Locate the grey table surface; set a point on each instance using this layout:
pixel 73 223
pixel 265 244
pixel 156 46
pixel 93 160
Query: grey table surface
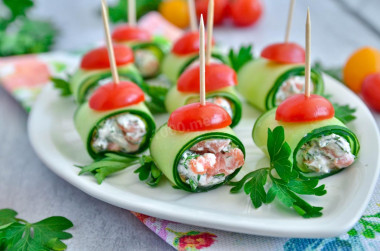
pixel 26 185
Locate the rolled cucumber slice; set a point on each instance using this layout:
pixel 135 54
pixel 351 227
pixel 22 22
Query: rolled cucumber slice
pixel 173 65
pixel 83 80
pixel 86 121
pixel 260 80
pixel 176 99
pixel 168 146
pixel 158 49
pixel 297 134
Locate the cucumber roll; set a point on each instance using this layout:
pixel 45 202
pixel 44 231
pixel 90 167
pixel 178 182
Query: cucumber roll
pixel 220 90
pixel 197 150
pixel 148 51
pixel 115 120
pixel 95 71
pixel 185 53
pixel 266 83
pixel 321 144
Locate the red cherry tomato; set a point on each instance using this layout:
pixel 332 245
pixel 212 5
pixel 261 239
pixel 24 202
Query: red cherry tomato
pixel 187 44
pixel 113 96
pixel 220 7
pixel 288 53
pixel 218 76
pixel 98 58
pixel 371 91
pixel 300 108
pixel 126 33
pixel 196 117
pixel 245 12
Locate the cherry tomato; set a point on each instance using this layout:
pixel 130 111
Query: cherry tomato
pixel 288 53
pixel 300 108
pixel 98 58
pixel 371 91
pixel 176 12
pixel 196 117
pixel 220 7
pixel 126 33
pixel 187 44
pixel 245 12
pixel 113 96
pixel 218 76
pixel 362 62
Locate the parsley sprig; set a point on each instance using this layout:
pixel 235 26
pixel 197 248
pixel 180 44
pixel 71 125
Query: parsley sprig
pixel 156 97
pixel 240 57
pixel 45 235
pixel 114 163
pixel 62 85
pixel 344 113
pixel 286 182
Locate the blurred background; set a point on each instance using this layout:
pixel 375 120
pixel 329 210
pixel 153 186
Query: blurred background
pixel 338 26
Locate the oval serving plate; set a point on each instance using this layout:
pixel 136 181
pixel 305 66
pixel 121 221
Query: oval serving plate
pixel 56 142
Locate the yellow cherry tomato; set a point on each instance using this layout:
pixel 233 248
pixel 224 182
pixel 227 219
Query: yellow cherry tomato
pixel 176 12
pixel 361 63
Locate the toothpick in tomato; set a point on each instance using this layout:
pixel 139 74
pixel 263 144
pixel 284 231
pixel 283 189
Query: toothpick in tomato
pixel 148 51
pixel 185 53
pixel 220 90
pixel 95 70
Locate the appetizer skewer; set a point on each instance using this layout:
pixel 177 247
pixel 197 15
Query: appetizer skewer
pixel 148 51
pixel 95 70
pixel 277 75
pixel 201 150
pixel 221 81
pixel 321 144
pixel 185 53
pixel 115 119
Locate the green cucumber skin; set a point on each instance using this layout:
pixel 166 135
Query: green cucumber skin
pixel 83 80
pixel 86 120
pixel 174 65
pixel 175 99
pixel 259 81
pixel 296 134
pixel 167 147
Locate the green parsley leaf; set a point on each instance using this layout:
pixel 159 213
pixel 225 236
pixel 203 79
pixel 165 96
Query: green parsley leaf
pixel 156 97
pixel 241 57
pixel 114 163
pixel 27 36
pixel 255 187
pixel 62 85
pixel 287 186
pixel 344 113
pixel 19 234
pixel 148 171
pixel 111 164
pixel 280 152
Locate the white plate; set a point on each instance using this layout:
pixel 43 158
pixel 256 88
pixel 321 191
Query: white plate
pixel 52 134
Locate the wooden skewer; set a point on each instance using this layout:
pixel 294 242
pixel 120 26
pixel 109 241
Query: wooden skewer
pixel 202 65
pixel 111 54
pixel 308 51
pixel 210 27
pixel 193 15
pixel 289 23
pixel 132 13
